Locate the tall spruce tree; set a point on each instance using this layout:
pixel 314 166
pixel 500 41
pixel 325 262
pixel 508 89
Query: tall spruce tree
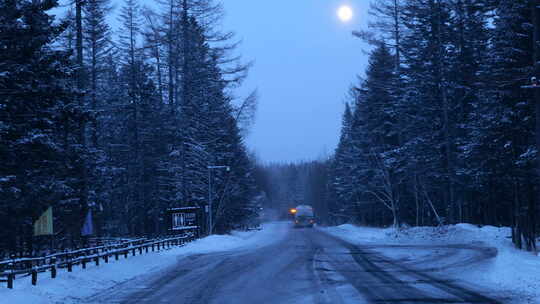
pixel 503 146
pixel 341 184
pixel 38 115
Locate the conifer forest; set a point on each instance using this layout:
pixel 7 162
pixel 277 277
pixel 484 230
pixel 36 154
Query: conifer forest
pixel 124 125
pixel 128 122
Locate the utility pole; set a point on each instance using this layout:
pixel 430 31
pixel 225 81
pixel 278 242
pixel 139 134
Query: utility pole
pixel 210 218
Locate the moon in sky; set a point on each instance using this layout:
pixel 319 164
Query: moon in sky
pixel 345 13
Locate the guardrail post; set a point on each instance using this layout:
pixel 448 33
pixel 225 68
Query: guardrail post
pixel 69 263
pixel 106 257
pixel 140 250
pixel 96 259
pixel 133 251
pixel 158 244
pixel 34 276
pixel 146 248
pixel 53 268
pixel 10 277
pixel 152 247
pixel 83 262
pixel 116 255
pixel 126 253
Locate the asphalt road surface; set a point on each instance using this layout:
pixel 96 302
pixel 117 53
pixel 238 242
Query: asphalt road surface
pixel 309 266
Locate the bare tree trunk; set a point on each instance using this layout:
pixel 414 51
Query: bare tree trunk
pixel 156 41
pixel 387 195
pixel 171 58
pixel 416 200
pixel 83 191
pixel 94 98
pixel 428 200
pixel 397 35
pixel 448 136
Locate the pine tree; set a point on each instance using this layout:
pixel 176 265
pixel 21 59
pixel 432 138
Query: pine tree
pixel 38 113
pixel 502 143
pixel 341 184
pixel 432 148
pixel 133 80
pixel 98 45
pixel 381 129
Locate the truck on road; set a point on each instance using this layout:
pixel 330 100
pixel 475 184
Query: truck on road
pixel 303 216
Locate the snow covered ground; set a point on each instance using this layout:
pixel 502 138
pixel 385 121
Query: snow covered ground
pixel 483 256
pixel 80 284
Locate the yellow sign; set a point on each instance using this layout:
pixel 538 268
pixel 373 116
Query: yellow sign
pixel 44 225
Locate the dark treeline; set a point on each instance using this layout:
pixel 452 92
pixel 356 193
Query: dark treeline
pixel 123 125
pixel 440 130
pixel 288 185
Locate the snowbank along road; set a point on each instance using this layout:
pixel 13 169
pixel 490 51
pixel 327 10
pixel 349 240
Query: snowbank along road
pixel 310 266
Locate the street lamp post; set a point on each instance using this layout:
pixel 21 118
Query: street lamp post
pixel 210 219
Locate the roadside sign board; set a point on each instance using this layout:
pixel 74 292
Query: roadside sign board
pixel 184 218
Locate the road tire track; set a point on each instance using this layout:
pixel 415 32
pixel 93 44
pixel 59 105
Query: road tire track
pixel 382 268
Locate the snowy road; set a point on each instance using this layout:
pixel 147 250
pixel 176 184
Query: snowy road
pixel 308 266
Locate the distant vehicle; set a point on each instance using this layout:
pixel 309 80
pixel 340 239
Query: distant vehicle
pixel 303 216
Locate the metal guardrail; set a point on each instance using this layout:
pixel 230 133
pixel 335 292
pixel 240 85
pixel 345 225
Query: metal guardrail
pixel 32 266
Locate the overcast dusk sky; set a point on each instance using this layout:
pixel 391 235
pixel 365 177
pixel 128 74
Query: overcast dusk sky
pixel 305 60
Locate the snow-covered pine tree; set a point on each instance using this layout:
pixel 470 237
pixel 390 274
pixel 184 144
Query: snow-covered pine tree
pixel 39 115
pixel 341 184
pixel 502 144
pixel 97 46
pixel 379 107
pixel 141 116
pixel 431 142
